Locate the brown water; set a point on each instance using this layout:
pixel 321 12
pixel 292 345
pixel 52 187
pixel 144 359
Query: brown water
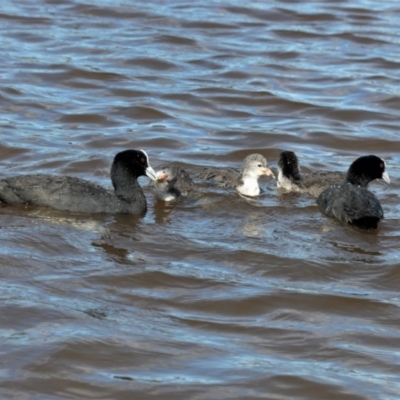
pixel 217 297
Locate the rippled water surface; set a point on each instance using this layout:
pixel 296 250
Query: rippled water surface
pixel 216 297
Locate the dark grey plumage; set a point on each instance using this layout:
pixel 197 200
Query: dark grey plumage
pixel 290 179
pixel 352 204
pixel 79 195
pixel 351 201
pixel 172 183
pixel 244 181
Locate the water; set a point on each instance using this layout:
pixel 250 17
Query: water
pixel 217 297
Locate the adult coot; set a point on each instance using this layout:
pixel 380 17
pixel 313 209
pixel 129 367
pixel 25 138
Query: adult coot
pixel 351 201
pixel 172 183
pixel 290 179
pixel 78 195
pixel 244 181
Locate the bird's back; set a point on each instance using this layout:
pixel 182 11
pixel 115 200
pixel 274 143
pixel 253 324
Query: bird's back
pixel 350 203
pixel 316 182
pixel 62 193
pixel 184 183
pixel 224 176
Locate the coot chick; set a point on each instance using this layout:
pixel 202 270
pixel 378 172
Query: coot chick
pixel 79 195
pixel 351 201
pixel 244 181
pixel 290 179
pixel 172 183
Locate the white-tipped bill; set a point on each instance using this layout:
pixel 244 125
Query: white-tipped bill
pixel 150 173
pixel 385 177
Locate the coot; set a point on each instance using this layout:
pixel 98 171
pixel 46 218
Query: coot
pixel 290 179
pixel 172 183
pixel 79 195
pixel 351 201
pixel 244 181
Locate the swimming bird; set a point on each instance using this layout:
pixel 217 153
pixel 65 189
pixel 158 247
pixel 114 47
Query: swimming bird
pixel 244 181
pixel 351 201
pixel 290 179
pixel 79 195
pixel 172 183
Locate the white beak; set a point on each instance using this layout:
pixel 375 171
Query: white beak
pixel 385 177
pixel 150 173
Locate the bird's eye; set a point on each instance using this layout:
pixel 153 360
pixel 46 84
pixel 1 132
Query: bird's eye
pixel 142 160
pixel 259 165
pixel 381 165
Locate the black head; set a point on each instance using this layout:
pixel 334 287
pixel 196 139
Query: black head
pixel 289 165
pixel 130 164
pixel 365 169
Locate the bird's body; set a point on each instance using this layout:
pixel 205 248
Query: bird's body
pixel 352 204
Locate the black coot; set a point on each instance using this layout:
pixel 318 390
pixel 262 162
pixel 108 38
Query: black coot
pixel 79 195
pixel 351 201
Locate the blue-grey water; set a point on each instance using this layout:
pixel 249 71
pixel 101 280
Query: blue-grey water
pixel 216 297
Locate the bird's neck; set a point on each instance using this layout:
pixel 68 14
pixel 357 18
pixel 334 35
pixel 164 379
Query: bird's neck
pixel 127 189
pixel 283 181
pixel 249 187
pixel 360 180
pixel 292 175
